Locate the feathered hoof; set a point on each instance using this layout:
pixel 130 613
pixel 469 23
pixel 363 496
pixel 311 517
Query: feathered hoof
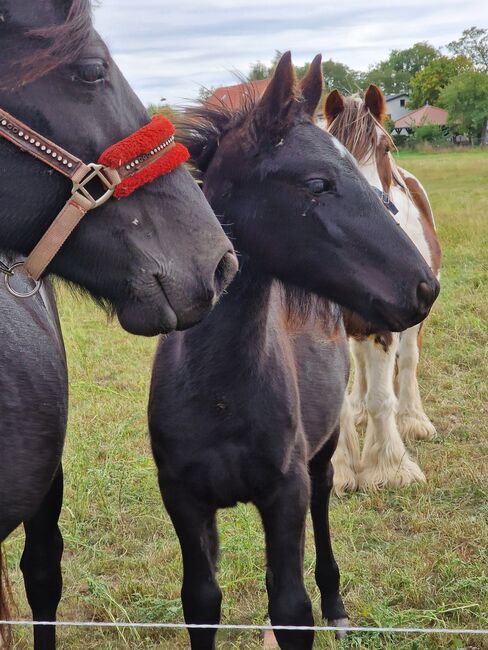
pixel 415 426
pixel 339 622
pixel 395 475
pixel 345 478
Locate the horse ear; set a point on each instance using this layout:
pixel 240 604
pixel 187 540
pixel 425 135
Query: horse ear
pixel 312 86
pixel 334 105
pixel 375 102
pixel 274 106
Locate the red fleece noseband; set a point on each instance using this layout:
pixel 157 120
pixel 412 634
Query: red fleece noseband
pixel 132 156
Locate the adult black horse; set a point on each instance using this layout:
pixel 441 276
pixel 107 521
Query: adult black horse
pixel 159 258
pixel 245 406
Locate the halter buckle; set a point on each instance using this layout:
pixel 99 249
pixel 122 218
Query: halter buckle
pixel 107 177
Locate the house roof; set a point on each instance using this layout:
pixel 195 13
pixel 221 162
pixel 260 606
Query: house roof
pixel 390 98
pixel 235 96
pixel 424 115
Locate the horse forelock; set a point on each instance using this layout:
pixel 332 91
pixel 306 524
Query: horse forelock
pixel 366 139
pixel 43 49
pixel 202 127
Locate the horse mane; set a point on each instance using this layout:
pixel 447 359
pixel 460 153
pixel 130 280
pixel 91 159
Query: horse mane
pixel 355 127
pixel 200 128
pixel 51 46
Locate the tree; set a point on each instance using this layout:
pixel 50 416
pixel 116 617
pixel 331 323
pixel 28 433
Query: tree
pixel 340 77
pixel 474 45
pixel 394 74
pixel 204 93
pixel 427 84
pixel 163 109
pixel 466 100
pixel 258 70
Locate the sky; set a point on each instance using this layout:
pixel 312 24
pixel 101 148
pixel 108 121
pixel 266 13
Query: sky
pixel 170 48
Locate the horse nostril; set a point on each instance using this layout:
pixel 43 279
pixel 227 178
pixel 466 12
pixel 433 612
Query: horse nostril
pixel 225 271
pixel 425 295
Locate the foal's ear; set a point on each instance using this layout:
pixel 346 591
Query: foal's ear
pixel 273 110
pixel 375 102
pixel 334 105
pixel 312 86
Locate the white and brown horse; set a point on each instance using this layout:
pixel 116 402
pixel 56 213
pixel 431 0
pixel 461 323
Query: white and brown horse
pixel 385 392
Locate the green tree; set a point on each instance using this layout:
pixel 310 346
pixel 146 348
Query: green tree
pixel 427 84
pixel 258 70
pixel 163 109
pixel 474 45
pixel 340 77
pixel 394 74
pixel 466 100
pixel 204 93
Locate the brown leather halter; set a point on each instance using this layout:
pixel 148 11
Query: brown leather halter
pixel 81 200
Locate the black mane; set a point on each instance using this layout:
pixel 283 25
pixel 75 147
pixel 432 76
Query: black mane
pixel 30 54
pixel 201 127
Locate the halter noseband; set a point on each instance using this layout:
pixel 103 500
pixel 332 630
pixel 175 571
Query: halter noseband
pixel 140 158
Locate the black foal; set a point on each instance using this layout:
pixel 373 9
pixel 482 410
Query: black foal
pixel 245 406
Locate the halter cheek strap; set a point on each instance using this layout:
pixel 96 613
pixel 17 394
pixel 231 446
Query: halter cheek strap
pixel 385 199
pixel 140 158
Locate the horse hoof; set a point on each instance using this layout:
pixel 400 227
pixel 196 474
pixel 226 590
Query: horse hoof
pixel 340 622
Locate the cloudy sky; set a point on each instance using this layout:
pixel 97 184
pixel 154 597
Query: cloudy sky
pixel 169 48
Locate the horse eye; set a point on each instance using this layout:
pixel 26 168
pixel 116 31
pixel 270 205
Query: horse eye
pixel 319 185
pixel 90 71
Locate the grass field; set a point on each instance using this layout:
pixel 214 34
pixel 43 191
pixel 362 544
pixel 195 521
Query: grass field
pixel 415 557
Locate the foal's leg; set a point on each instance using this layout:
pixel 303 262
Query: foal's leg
pixel 413 423
pixel 359 384
pixel 326 569
pixel 284 527
pixel 347 454
pixel 41 563
pixel 200 594
pixel 385 461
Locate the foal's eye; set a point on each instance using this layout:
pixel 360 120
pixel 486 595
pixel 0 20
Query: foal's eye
pixel 90 71
pixel 319 186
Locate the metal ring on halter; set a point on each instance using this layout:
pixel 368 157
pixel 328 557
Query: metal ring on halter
pixel 11 290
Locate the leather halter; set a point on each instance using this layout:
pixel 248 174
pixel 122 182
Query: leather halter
pixel 138 159
pixel 385 199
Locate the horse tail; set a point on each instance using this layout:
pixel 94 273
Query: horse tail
pixel 5 603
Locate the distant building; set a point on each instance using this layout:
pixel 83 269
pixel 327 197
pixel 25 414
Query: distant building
pixel 396 105
pixel 420 116
pixel 236 96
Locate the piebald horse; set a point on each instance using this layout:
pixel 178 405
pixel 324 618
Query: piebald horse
pixel 393 413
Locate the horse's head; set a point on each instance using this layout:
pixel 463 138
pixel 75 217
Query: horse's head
pixel 298 204
pixel 358 124
pixel 158 257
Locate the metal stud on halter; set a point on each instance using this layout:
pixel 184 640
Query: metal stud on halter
pixel 140 158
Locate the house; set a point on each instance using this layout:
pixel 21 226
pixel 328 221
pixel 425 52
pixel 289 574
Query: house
pixel 425 115
pixel 235 97
pixel 396 105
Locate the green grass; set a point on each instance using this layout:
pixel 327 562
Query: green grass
pixel 413 557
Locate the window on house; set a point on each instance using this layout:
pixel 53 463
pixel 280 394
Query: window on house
pixel 402 103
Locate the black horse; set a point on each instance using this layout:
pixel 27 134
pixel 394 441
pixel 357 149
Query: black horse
pixel 158 258
pixel 245 406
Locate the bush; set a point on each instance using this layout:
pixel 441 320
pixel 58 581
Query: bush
pixel 428 133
